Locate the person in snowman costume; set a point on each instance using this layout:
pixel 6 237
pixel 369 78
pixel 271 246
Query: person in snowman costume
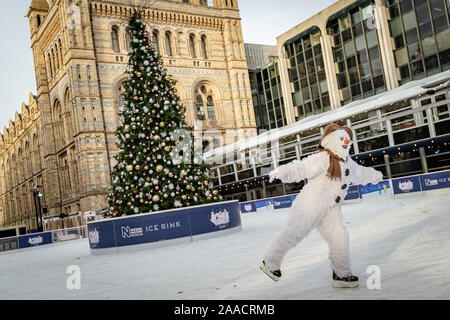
pixel 328 174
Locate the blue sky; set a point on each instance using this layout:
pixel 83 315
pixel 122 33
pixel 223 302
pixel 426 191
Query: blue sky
pixel 262 22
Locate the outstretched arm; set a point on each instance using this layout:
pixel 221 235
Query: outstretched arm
pixel 363 175
pixel 296 170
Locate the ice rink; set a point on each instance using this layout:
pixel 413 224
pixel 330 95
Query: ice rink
pixel 407 238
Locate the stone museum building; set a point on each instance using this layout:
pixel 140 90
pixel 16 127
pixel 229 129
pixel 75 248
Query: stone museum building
pixel 62 141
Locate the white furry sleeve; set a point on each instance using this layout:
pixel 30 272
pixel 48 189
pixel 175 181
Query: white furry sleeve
pixel 363 175
pixel 307 168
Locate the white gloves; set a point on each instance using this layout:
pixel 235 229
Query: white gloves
pixel 377 176
pixel 274 174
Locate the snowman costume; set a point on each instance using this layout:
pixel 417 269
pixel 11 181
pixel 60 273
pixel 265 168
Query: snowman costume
pixel 328 173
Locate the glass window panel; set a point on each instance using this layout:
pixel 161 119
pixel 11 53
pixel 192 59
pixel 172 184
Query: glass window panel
pixel 423 16
pixel 308 54
pixel 346 35
pixel 411 36
pixel 416 67
pixel 437 8
pixel 409 21
pixel 351 62
pixel 425 30
pixel 371 39
pixel 374 53
pixel 431 62
pixel 405 6
pixel 344 22
pixel 360 43
pixel 394 12
pixel 357 29
pixel 315 91
pixel 349 49
pixel 367 85
pixel 440 24
pixel 396 27
pixel 367 12
pixel 353 75
pixel 428 46
pixel 341 66
pixel 306 94
pixel 443 40
pixel 356 17
pixel 444 57
pixel 342 80
pixel 398 41
pixel 404 72
pixel 377 67
pixel 321 75
pixel 323 86
pixel 378 82
pixel 401 57
pixel 356 90
pixel 337 39
pixel 338 55
pixel 362 56
pixel 364 70
pixel 414 52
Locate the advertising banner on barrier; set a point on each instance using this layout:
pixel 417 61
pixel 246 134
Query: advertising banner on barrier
pixel 282 202
pixel 34 240
pixel 352 193
pixel 433 181
pixel 248 207
pixel 382 189
pixel 161 226
pixel 214 218
pixel 262 205
pixel 406 185
pixel 151 228
pixel 101 235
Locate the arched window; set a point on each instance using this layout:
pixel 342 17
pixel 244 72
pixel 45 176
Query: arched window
pixel 58 124
pixel 204 48
pixel 69 124
pixel 38 20
pixel 168 44
pixel 211 108
pixel 155 41
pixel 50 66
pixel 200 108
pixel 128 39
pixel 115 39
pixel 60 53
pixel 192 46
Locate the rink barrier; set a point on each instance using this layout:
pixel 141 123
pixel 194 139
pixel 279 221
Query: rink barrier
pixel 165 227
pixel 386 188
pixel 42 238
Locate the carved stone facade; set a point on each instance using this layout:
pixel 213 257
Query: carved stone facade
pixel 64 140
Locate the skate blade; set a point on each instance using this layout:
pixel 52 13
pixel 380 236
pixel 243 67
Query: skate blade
pixel 344 284
pixel 264 269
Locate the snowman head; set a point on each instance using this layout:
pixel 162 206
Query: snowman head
pixel 338 140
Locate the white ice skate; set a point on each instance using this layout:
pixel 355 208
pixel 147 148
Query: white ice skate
pixel 349 281
pixel 275 275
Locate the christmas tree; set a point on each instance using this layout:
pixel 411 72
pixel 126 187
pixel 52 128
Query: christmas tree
pixel 148 176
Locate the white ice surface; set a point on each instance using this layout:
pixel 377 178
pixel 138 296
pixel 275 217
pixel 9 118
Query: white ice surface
pixel 408 238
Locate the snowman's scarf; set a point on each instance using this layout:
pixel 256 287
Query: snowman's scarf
pixel 334 170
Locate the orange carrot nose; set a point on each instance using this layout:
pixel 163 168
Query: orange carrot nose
pixel 346 141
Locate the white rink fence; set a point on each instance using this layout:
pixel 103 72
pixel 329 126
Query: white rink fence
pixel 398 187
pixel 43 238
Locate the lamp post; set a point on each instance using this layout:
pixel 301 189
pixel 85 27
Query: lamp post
pixel 37 203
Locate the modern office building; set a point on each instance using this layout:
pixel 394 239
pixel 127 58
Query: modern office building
pixel 265 83
pixel 378 67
